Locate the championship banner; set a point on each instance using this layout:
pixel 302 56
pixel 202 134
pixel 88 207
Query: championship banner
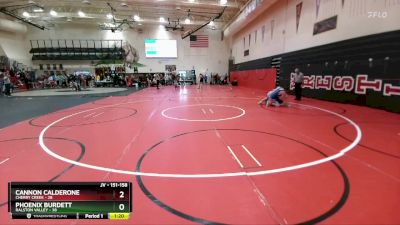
pixel 272 28
pixel 298 14
pixel 325 25
pixel 318 4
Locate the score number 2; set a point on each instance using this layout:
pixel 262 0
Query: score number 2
pixel 121 206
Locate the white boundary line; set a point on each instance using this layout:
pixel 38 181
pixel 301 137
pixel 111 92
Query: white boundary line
pixel 4 161
pixel 234 156
pixel 163 113
pixel 89 115
pixel 251 155
pixel 98 115
pixel 212 175
pixel 217 133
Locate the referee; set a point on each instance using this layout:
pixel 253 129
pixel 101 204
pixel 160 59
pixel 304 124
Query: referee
pixel 298 78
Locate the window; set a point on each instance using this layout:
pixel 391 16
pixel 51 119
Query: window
pixel 249 39
pixel 255 36
pixel 244 42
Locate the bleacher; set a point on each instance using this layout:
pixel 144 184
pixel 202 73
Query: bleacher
pixel 63 49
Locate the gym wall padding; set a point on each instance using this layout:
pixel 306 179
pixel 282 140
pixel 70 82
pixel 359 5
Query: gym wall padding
pixel 264 79
pixel 371 63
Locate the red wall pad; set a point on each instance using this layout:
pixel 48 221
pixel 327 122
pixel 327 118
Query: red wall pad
pixel 264 79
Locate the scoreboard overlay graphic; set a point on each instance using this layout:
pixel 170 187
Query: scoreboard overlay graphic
pixel 61 200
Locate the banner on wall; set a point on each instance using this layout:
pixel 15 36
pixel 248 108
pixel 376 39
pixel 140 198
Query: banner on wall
pixel 263 32
pixel 298 14
pixel 358 84
pixel 342 4
pixel 272 28
pixel 317 4
pixel 325 25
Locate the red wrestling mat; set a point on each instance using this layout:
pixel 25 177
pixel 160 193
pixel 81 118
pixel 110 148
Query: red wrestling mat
pixel 222 158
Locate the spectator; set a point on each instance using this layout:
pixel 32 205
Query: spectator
pixel 89 80
pixel 148 80
pixel 222 79
pixel 80 80
pixel 157 79
pixel 216 78
pixel 201 80
pixel 128 80
pixel 27 80
pixel 174 79
pixel 14 81
pixel 32 79
pixel 40 81
pixel 7 84
pixel 77 82
pixel 166 79
pixel 1 83
pixel 63 81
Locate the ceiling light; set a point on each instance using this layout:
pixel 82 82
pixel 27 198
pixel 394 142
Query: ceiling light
pixel 109 16
pixel 140 24
pixel 38 10
pixel 187 21
pixel 53 13
pixel 162 20
pixel 26 14
pixel 87 2
pixel 81 14
pixel 161 26
pixel 136 17
pixel 191 1
pixel 110 25
pixel 211 23
pixel 123 4
pixel 223 2
pixel 69 19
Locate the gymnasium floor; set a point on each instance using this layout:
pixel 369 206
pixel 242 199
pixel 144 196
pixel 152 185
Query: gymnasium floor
pixel 214 156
